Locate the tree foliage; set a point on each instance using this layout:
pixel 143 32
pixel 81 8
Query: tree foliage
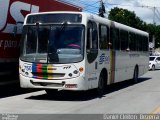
pixel 129 18
pixel 125 17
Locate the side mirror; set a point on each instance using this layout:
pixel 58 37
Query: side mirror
pixel 17 28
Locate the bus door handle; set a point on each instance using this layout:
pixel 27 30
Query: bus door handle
pixel 96 65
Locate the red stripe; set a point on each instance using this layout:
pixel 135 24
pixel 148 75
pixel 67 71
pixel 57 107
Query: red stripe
pixel 39 70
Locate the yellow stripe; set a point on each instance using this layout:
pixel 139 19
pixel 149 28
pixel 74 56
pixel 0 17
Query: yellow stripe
pixel 111 66
pixel 50 77
pixel 50 70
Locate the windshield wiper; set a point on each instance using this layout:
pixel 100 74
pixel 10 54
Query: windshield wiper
pixel 52 52
pixel 64 24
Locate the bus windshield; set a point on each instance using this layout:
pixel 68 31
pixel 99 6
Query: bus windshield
pixel 57 43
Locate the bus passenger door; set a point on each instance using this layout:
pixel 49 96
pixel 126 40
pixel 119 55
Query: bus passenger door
pixel 92 53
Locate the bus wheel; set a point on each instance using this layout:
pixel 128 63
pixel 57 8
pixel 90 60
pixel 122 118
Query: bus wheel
pixel 101 84
pixel 135 75
pixel 153 67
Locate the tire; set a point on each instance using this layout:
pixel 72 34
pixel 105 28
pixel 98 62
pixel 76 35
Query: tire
pixel 135 75
pixel 101 85
pixel 153 67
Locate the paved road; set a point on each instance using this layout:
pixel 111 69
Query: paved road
pixel 124 97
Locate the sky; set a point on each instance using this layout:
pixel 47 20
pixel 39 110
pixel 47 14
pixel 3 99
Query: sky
pixel 142 8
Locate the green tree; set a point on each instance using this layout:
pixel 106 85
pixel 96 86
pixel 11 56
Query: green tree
pixel 157 36
pixel 126 17
pixel 129 18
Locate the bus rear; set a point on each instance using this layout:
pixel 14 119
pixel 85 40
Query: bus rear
pixel 52 52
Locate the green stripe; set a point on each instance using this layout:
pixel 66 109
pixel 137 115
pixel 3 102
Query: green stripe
pixel 44 68
pixel 45 76
pixel 44 71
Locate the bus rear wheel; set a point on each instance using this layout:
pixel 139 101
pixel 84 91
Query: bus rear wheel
pixel 135 75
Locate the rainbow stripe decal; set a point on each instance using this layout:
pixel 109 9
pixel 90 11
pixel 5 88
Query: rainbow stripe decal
pixel 42 71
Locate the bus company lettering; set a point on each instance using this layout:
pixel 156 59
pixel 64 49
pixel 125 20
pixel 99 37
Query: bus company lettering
pixel 103 59
pixel 134 55
pixel 12 12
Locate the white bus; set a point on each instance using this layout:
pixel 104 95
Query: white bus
pixel 79 51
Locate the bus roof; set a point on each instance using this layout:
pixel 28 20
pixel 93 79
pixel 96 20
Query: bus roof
pixel 96 18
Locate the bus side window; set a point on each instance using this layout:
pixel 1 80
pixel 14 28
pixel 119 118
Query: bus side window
pixel 103 37
pixel 124 40
pixel 132 41
pixel 92 41
pixel 89 36
pixel 138 42
pixel 146 44
pixel 95 39
pixel 115 38
pixel 92 36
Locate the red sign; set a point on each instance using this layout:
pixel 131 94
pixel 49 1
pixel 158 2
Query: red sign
pixel 13 11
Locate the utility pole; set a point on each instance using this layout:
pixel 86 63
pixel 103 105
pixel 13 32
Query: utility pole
pixel 154 23
pixel 102 9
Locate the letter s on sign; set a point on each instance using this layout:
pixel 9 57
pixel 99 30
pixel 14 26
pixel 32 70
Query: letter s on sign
pixel 16 8
pixel 4 4
pixel 15 11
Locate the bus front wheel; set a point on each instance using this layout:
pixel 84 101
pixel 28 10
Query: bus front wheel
pixel 101 84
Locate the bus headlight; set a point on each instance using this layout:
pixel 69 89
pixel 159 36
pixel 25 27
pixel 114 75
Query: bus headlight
pixel 75 72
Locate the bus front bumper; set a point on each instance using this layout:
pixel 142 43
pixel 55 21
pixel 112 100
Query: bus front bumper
pixel 74 84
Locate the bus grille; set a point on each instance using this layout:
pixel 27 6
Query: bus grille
pixel 48 76
pixel 45 84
